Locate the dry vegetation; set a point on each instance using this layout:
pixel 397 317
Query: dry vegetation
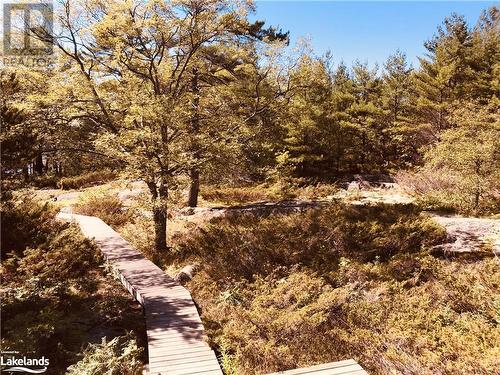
pixel 56 296
pixel 103 205
pixel 283 291
pixel 293 188
pixel 438 190
pixel 293 290
pixel 87 179
pixel 289 290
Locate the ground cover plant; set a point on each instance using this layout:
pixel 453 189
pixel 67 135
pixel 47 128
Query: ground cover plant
pixel 86 179
pixel 56 295
pixel 106 206
pixel 286 291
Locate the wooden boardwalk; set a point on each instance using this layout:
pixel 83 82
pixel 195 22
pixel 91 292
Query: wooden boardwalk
pixel 347 367
pixel 176 340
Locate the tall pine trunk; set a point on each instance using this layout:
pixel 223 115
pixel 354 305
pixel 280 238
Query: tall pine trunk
pixel 159 195
pixel 194 187
pixel 194 173
pixel 38 164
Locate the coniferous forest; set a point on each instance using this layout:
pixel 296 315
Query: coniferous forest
pixel 316 211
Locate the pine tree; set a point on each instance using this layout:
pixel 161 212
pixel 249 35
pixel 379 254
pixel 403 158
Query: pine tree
pixel 366 120
pixel 147 72
pixel 485 56
pixel 400 135
pixel 445 75
pixel 307 142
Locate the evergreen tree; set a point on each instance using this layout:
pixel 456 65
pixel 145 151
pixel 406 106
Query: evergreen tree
pixel 400 136
pixel 485 56
pixel 148 73
pixel 444 76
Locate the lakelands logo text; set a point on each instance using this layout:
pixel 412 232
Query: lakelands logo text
pixel 24 364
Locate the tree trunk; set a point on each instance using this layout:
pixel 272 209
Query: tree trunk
pixel 38 165
pixel 159 195
pixel 194 173
pixel 477 195
pixel 26 173
pixel 194 187
pixel 160 220
pixel 57 168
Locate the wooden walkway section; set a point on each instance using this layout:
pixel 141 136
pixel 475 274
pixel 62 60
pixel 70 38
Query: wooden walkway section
pixel 176 340
pixel 347 367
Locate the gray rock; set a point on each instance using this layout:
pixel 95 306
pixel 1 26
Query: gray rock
pixel 186 273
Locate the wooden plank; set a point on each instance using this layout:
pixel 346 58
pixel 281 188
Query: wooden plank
pixel 153 371
pixel 176 339
pixel 186 360
pixel 175 348
pixel 346 367
pixel 194 366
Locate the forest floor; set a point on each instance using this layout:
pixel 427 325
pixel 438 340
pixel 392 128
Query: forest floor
pixel 287 253
pixel 465 234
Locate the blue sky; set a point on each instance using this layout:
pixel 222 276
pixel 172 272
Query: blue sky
pixel 365 30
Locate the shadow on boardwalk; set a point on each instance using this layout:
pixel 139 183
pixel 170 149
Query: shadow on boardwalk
pixel 176 340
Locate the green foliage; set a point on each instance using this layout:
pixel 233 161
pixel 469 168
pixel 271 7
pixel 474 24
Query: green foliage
pixel 470 151
pixel 29 223
pixel 461 170
pixel 251 245
pixel 288 291
pixel 205 92
pixel 87 179
pixel 359 121
pixel 347 121
pixel 17 139
pixel 120 356
pixel 55 297
pixel 107 207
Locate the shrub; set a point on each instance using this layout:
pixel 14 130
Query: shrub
pixel 469 151
pixel 275 322
pixel 25 222
pixel 235 195
pixel 439 189
pixel 288 291
pixel 107 207
pixel 88 179
pixel 65 257
pixel 410 317
pixel 55 296
pixel 282 190
pixel 45 181
pixel 120 356
pixel 247 245
pixel 140 233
